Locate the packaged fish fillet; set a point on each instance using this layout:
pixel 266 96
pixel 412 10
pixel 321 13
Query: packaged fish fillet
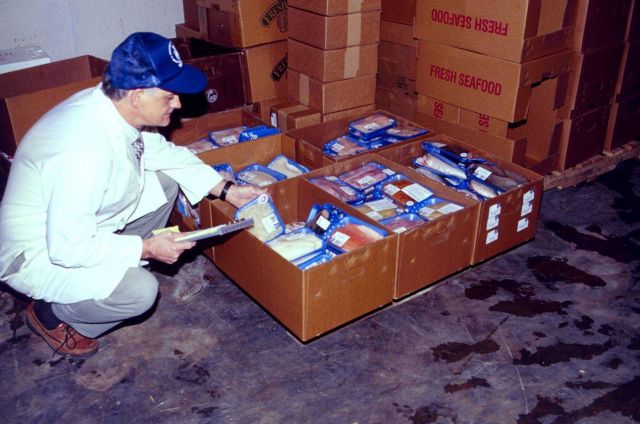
pixel 379 209
pixel 186 210
pixel 293 226
pixel 296 244
pixel 451 151
pixel 338 188
pixel 404 191
pixel 254 133
pixel 267 223
pixel 344 146
pixel 259 175
pixel 403 222
pixel 226 171
pixel 227 136
pixel 499 177
pixel 376 143
pixel 482 188
pixel 427 172
pixel 351 233
pixel 441 165
pixel 371 126
pixel 366 176
pixel 286 166
pixel 202 145
pixel 405 132
pixel 435 207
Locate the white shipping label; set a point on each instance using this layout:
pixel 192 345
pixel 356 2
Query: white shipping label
pixel 495 210
pixel 523 224
pixel 323 222
pixel 271 223
pixel 339 239
pixel 528 196
pixel 493 221
pixel 274 119
pixel 526 208
pixel 482 173
pixel 492 236
pixel 417 192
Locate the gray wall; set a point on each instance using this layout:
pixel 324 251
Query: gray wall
pixel 70 28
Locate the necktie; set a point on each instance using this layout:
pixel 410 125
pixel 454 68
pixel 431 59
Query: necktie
pixel 138 148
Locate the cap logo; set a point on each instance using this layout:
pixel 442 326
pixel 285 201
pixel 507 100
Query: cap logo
pixel 174 55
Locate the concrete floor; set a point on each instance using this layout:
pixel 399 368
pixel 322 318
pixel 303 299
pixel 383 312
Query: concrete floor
pixel 546 333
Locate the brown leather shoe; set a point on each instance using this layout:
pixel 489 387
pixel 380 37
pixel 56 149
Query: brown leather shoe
pixel 63 339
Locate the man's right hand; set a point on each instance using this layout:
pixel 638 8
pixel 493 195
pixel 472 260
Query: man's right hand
pixel 164 248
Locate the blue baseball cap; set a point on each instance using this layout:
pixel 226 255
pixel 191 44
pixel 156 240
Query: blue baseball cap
pixel 145 60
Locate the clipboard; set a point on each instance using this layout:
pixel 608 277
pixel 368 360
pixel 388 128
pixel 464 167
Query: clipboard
pixel 216 231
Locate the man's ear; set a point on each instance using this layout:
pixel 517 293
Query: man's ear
pixel 135 96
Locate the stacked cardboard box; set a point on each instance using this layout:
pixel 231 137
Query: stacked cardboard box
pixel 598 47
pixel 258 27
pixel 396 87
pixel 333 55
pixel 624 119
pixel 497 68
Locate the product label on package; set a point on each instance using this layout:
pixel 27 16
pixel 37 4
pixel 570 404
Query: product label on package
pixel 339 239
pixel 469 22
pixel 482 173
pixel 417 192
pixel 271 223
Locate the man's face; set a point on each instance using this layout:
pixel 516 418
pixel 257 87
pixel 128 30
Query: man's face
pixel 156 105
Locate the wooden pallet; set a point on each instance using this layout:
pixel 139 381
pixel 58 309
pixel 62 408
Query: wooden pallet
pixel 592 168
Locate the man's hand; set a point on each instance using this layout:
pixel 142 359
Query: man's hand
pixel 164 248
pixel 238 195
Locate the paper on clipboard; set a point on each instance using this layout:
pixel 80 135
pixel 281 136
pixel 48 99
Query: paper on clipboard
pixel 218 230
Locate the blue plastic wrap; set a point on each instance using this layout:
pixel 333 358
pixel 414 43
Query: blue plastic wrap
pixel 371 126
pixel 259 175
pixel 267 223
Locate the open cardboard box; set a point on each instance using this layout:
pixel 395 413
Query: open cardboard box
pixel 309 140
pixel 433 250
pixel 27 94
pixel 317 300
pixel 504 221
pixel 514 30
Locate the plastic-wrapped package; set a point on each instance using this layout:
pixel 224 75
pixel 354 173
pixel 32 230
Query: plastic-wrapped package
pixel 296 244
pixel 199 146
pixel 254 133
pixel 405 132
pixel 321 217
pixel 186 210
pixel 483 189
pixel 379 209
pixel 435 207
pixel 351 233
pixel 294 226
pixel 366 176
pixel 344 146
pixel 338 188
pixel 371 126
pixel 441 165
pixel 227 136
pixel 226 171
pixel 259 175
pixel 403 222
pixel 267 223
pixel 312 260
pixel 286 166
pixel 498 177
pixel 404 191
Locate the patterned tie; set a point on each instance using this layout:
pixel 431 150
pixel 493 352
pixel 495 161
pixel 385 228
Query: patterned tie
pixel 138 148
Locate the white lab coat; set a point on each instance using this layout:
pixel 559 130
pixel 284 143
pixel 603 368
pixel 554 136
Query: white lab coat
pixel 73 183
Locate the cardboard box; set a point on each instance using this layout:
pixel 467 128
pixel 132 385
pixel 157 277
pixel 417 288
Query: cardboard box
pixel 242 23
pixel 291 115
pixel 633 26
pixel 262 109
pixel 333 65
pixel 514 30
pixel 510 150
pixel 225 73
pixel 583 137
pixel 399 102
pixel 592 82
pixel 421 250
pixel 310 140
pixel 397 66
pixel 334 32
pixel 266 71
pixel 600 24
pixel 505 221
pixel 331 96
pixel 438 109
pixel 349 113
pixel 184 31
pixel 497 87
pixel 27 94
pixel 628 82
pixel 402 13
pixel 191 19
pixel 312 302
pixel 336 7
pixel 396 33
pixel 22 57
pixel 624 123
